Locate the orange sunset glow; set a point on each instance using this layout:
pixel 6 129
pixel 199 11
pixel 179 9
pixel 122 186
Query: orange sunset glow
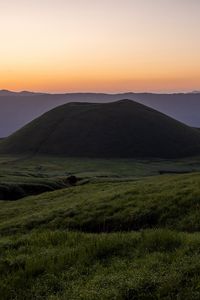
pixel 102 46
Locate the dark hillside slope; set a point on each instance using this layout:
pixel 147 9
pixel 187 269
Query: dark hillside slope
pixel 18 109
pixel 118 129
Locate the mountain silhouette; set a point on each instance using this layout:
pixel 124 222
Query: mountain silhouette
pixel 118 129
pixel 18 109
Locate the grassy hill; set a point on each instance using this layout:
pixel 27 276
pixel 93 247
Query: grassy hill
pixel 119 129
pixel 42 258
pixel 161 201
pixel 18 109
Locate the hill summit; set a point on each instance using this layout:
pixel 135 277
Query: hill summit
pixel 119 129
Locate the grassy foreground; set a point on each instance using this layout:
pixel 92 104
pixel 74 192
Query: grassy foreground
pixel 44 264
pixel 133 238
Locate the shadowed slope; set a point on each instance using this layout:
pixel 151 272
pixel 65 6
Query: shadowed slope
pixel 18 109
pixel 119 129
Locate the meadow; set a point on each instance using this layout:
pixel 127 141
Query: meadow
pixel 123 232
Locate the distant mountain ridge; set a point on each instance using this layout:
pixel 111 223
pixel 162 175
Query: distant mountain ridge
pixel 17 109
pixel 121 129
pixel 5 92
pixel 196 92
pixel 22 93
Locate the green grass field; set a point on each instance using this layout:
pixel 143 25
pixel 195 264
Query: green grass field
pixel 125 233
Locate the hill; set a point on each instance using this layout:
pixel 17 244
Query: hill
pixel 17 109
pixel 118 129
pixel 170 201
pixel 42 259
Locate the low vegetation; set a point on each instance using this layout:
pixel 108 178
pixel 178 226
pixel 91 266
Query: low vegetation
pixel 162 201
pixel 129 237
pixel 44 264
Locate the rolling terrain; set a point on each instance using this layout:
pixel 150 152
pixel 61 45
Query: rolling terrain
pixel 128 233
pixel 157 202
pixel 118 129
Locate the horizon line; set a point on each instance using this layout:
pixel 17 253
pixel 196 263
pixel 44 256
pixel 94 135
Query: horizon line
pixel 97 92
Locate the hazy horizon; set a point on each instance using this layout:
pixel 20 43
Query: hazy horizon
pixel 100 46
pixel 100 92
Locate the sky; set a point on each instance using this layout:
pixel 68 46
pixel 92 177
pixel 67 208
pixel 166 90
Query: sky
pixel 100 45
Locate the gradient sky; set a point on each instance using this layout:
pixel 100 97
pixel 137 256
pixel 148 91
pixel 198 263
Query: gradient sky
pixel 100 45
